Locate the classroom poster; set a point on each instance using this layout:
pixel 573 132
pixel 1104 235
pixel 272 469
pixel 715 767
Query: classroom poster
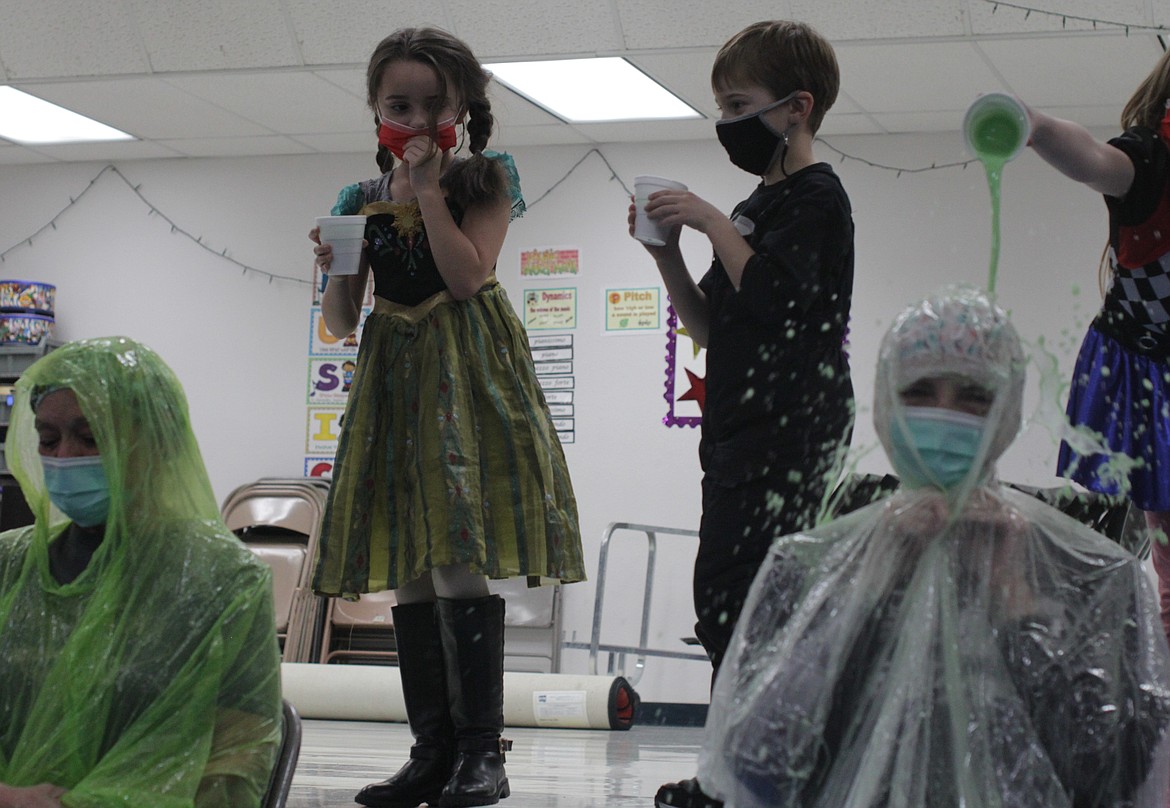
pixel 629 311
pixel 550 262
pixel 550 309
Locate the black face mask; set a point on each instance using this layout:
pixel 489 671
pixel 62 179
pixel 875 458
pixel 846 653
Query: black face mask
pixel 750 142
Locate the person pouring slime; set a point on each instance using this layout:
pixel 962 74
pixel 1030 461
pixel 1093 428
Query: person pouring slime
pixel 1120 388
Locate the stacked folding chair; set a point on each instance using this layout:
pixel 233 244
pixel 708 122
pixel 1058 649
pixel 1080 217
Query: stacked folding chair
pixel 279 519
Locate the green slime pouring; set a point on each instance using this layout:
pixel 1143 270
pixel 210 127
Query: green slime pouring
pixel 996 128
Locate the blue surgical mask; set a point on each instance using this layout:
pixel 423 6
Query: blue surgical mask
pixel 78 487
pixel 936 448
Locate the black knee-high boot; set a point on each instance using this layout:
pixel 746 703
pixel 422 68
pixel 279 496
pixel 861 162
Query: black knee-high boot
pixel 424 689
pixel 473 649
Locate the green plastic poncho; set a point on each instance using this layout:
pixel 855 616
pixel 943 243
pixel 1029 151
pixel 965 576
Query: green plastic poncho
pixel 152 679
pixel 952 645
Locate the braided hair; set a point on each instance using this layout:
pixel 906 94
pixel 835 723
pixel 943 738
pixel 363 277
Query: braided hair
pixel 469 181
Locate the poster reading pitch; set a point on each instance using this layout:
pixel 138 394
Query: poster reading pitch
pixel 633 310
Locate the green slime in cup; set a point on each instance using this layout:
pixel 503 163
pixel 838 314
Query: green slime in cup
pixel 995 137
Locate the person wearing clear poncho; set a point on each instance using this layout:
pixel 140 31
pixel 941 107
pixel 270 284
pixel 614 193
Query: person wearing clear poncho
pixel 138 658
pixel 958 643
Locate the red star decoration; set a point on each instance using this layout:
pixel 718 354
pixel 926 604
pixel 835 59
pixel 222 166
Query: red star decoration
pixel 698 391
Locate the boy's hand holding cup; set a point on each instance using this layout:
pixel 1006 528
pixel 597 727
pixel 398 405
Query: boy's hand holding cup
pixel 646 230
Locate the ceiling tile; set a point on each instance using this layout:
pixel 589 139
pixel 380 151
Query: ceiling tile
pixel 842 20
pixel 51 38
pixel 288 76
pixel 648 24
pixel 844 105
pixel 914 76
pixel 516 110
pixel 510 137
pixel 181 35
pixel 514 28
pixel 350 80
pixel 146 107
pixel 1055 16
pixel 1106 118
pixel 236 146
pixel 838 123
pixel 1087 70
pixel 345 142
pixel 346 32
pixel 687 75
pixel 277 100
pixel 931 121
pixel 12 155
pixel 107 151
pixel 623 131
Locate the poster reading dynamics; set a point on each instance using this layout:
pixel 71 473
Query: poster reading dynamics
pixel 550 309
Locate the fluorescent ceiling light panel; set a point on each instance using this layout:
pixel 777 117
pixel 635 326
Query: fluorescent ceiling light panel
pixel 590 90
pixel 27 119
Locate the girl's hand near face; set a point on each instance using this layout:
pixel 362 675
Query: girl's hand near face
pixel 424 160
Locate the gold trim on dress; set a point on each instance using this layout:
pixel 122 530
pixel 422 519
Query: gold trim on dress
pixel 417 312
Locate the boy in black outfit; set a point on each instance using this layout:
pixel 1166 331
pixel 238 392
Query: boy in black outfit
pixel 772 312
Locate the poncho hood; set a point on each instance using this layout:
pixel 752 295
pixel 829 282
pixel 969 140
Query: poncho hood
pixel 959 332
pixel 152 678
pixel 138 413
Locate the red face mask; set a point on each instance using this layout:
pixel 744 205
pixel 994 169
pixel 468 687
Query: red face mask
pixel 394 136
pixel 1164 127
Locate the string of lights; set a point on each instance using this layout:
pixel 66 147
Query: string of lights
pixel 224 254
pixel 613 175
pixel 1065 18
pixel 898 170
pixel 154 211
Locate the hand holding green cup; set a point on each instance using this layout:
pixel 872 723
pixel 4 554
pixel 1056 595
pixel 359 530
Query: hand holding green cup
pixel 996 127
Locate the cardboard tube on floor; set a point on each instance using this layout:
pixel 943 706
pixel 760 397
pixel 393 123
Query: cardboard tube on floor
pixel 374 693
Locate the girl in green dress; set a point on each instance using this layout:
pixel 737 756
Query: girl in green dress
pixel 449 471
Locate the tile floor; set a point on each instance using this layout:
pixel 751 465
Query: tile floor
pixel 546 767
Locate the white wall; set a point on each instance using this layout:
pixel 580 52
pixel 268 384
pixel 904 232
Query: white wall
pixel 239 342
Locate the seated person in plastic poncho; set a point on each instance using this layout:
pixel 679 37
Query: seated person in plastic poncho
pixel 958 643
pixel 138 657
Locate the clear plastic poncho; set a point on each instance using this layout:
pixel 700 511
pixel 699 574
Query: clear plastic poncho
pixel 152 679
pixel 973 647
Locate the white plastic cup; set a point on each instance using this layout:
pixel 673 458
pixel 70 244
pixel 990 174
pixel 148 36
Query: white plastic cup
pixel 345 235
pixel 646 230
pixel 996 127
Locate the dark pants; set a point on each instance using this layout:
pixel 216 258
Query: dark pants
pixel 738 527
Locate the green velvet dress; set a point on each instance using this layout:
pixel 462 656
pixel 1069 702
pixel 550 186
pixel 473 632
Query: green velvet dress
pixel 447 453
